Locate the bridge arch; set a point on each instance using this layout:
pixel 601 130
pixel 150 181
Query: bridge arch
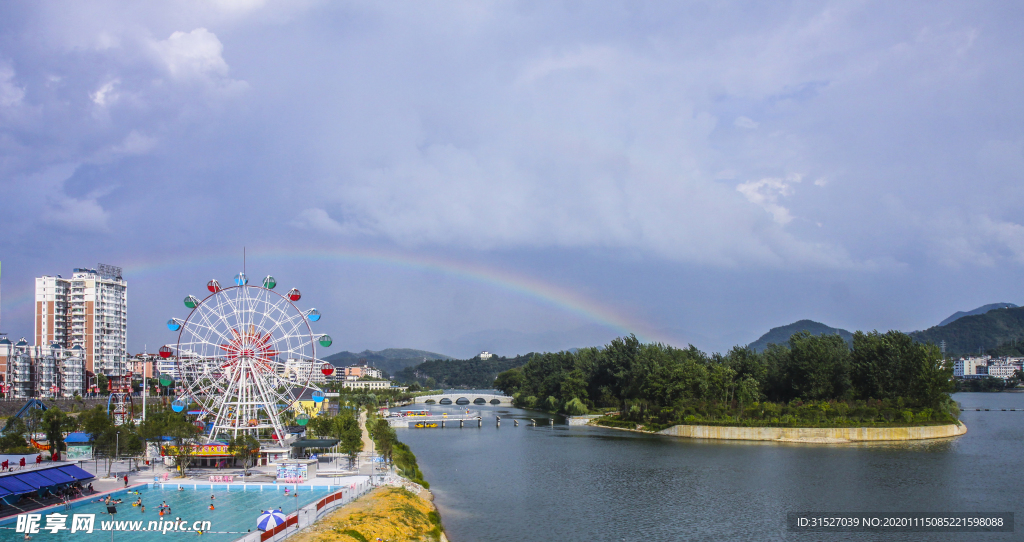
pixel 479 401
pixel 462 401
pixel 445 401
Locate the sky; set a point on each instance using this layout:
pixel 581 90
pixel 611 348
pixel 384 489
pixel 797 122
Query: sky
pixel 517 176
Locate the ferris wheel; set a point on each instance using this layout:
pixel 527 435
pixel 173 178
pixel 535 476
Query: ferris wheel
pixel 245 354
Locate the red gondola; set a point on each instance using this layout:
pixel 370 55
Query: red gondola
pixel 294 294
pixel 213 286
pixel 327 369
pixel 165 352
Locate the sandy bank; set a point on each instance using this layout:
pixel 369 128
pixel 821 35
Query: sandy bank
pixel 388 513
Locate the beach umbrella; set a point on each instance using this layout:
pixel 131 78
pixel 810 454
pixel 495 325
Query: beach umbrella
pixel 269 519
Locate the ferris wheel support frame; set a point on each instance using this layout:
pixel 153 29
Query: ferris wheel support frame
pixel 250 378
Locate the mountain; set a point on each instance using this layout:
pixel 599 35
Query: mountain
pixel 508 342
pixel 473 373
pixel 980 310
pixel 781 335
pixel 971 334
pixel 389 360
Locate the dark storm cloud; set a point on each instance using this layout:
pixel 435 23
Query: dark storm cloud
pixel 773 155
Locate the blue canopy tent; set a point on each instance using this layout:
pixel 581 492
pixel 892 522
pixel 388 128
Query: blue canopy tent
pixel 13 486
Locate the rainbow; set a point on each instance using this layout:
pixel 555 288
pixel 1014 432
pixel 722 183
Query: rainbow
pixel 520 285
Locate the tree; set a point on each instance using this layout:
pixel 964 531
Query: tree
pixel 102 383
pixel 55 424
pixel 245 448
pixel 819 367
pixel 13 440
pixel 384 438
pixel 102 433
pixel 350 434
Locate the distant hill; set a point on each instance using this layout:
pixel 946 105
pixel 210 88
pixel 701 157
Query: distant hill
pixel 389 360
pixel 473 373
pixel 980 310
pixel 781 335
pixel 969 334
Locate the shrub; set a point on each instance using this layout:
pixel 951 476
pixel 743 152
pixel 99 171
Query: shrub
pixel 575 407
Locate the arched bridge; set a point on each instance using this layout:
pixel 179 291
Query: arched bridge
pixel 464 399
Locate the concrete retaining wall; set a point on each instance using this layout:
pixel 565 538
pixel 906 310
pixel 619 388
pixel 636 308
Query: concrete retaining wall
pixel 822 435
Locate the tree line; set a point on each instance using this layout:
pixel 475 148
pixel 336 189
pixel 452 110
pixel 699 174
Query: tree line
pixel 882 378
pixel 458 373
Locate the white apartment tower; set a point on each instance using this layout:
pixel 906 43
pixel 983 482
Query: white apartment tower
pixel 89 310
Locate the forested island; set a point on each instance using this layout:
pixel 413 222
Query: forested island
pixel 880 380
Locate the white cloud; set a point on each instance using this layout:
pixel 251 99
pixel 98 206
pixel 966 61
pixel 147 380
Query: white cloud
pixel 10 94
pixel 745 122
pixel 767 192
pixel 196 54
pixel 106 94
pixel 316 219
pixel 135 143
pixel 79 215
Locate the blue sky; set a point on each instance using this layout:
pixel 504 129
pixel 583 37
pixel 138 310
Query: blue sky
pixel 700 172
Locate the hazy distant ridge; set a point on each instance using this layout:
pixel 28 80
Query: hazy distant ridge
pixel 980 310
pixel 971 334
pixel 781 334
pixel 390 360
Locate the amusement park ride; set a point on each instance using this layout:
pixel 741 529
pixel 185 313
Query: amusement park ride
pixel 244 355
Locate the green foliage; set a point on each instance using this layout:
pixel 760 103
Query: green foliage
pixel 405 461
pixel 509 381
pixel 781 334
pixel 461 373
pixel 384 437
pixel 654 383
pixel 344 427
pixel 13 440
pixel 246 449
pixel 575 407
pixel 55 424
pixel 967 335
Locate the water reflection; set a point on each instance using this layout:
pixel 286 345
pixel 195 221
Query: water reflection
pixel 585 483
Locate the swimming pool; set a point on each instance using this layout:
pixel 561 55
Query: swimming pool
pixel 234 513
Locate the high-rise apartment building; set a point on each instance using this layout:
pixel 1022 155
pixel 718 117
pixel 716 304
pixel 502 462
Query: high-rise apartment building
pixel 89 310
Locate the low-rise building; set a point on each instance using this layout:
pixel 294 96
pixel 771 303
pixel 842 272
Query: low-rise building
pixel 367 384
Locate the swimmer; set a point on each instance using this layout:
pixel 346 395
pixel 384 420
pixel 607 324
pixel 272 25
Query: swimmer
pixel 143 507
pixel 181 488
pixel 211 507
pixel 212 497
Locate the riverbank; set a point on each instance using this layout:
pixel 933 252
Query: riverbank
pixel 387 513
pixel 820 435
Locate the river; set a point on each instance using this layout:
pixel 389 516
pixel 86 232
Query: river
pixel 564 483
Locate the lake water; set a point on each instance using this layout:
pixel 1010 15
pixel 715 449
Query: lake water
pixel 566 483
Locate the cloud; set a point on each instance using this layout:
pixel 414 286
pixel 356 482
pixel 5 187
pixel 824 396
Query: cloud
pixel 767 192
pixel 315 219
pixel 78 215
pixel 745 122
pixel 106 94
pixel 10 94
pixel 193 55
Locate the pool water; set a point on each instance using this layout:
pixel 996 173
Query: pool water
pixel 234 513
